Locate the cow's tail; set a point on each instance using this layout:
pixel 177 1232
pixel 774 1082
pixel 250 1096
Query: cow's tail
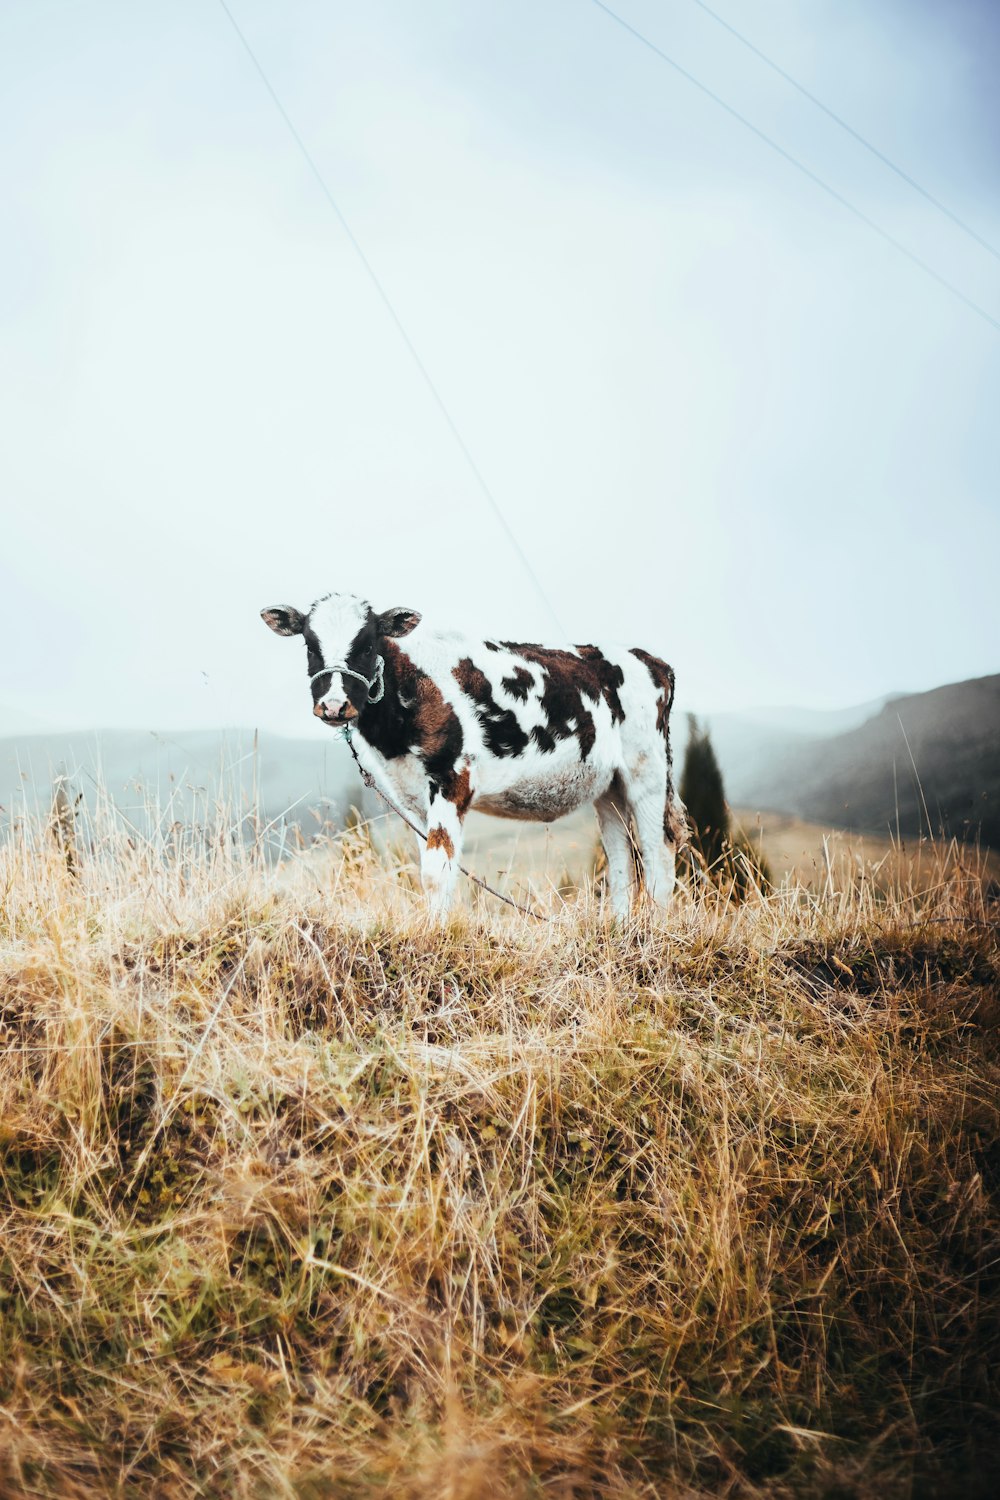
pixel 675 824
pixel 676 829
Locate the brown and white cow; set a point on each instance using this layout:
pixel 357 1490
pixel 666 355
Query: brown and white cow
pixel 445 723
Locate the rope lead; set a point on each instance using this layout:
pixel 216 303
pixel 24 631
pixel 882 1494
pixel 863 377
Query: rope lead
pixel 372 784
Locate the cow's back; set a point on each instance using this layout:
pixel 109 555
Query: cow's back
pixel 545 728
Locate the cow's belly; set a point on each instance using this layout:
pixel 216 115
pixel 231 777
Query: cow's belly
pixel 545 795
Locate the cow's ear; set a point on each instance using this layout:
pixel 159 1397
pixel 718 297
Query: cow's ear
pixel 283 619
pixel 398 621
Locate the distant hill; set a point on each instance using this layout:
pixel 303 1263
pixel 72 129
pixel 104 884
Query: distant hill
pixel 750 743
pixel 925 762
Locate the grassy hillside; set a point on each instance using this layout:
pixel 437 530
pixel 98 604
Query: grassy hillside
pixel 927 762
pixel 302 1196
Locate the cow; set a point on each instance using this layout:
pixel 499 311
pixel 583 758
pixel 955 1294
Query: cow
pixel 445 723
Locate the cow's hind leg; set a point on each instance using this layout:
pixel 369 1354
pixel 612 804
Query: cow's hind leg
pixel 616 836
pixel 658 849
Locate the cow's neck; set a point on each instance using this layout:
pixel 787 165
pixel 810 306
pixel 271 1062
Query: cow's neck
pixel 389 725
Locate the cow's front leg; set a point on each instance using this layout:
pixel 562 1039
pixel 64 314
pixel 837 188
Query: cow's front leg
pixel 440 855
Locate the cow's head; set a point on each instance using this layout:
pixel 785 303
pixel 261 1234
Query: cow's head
pixel 341 632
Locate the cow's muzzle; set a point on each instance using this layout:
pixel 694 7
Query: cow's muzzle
pixel 335 713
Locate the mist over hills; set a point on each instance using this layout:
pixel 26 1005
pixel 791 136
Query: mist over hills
pixel 907 764
pixel 921 763
pixel 749 743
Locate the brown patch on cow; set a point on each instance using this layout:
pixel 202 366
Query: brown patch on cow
pixel 433 714
pixel 584 671
pixel 609 679
pixel 460 791
pixel 570 681
pixel 470 678
pixel 663 677
pixel 520 684
pixel 439 838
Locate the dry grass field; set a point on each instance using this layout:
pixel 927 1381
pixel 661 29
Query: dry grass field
pixel 301 1196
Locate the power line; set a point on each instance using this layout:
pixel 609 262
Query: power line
pixel 800 166
pixel 856 134
pixel 400 328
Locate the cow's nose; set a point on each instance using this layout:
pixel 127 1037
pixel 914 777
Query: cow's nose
pixel 335 711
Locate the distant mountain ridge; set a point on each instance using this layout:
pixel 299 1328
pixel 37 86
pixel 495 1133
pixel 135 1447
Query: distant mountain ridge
pixel 749 742
pixel 923 763
pixel 813 723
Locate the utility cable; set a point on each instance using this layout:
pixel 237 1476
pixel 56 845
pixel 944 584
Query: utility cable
pixel 844 125
pixel 799 166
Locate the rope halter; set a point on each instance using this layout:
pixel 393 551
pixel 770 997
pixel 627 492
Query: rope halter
pixel 347 671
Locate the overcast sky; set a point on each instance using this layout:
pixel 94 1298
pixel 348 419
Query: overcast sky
pixel 725 420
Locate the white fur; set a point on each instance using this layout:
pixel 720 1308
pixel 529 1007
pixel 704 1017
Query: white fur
pixel 625 773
